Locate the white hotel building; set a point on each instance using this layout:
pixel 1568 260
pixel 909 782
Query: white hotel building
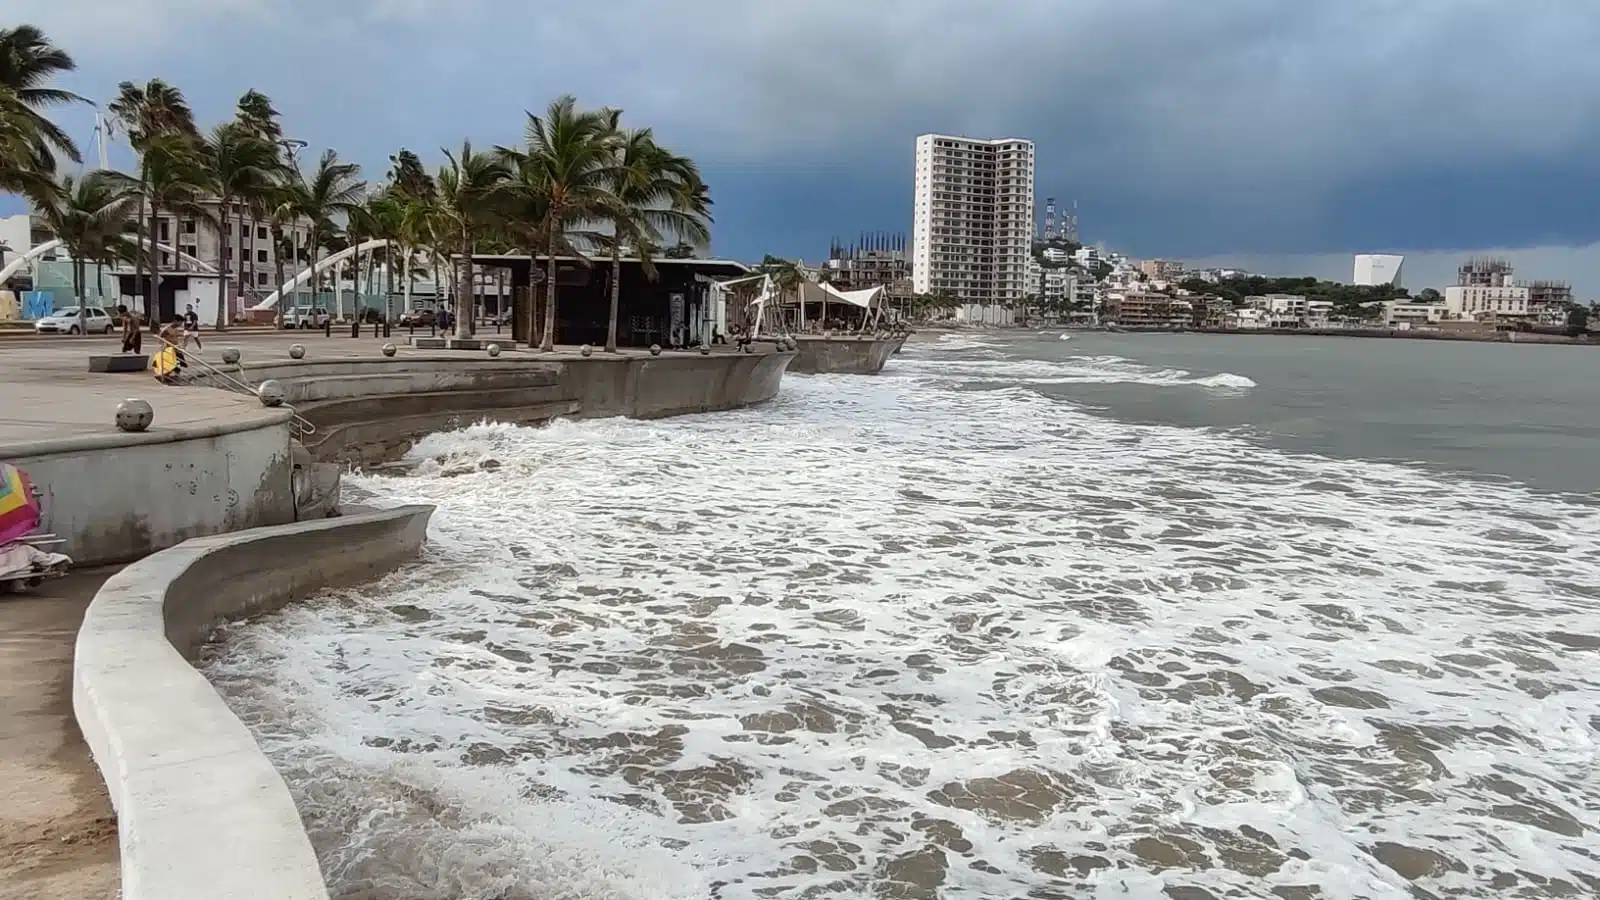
pixel 972 231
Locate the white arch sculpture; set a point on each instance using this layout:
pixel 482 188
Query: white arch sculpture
pixel 270 302
pixel 16 264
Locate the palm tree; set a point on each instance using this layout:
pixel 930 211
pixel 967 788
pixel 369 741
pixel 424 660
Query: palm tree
pixel 332 191
pixel 471 187
pixel 26 167
pixel 150 113
pixel 240 163
pixel 256 114
pixel 89 215
pixel 653 193
pixel 564 168
pixel 173 178
pixel 28 61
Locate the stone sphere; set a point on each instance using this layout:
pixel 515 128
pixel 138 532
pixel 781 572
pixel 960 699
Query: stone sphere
pixel 655 349
pixel 749 347
pixel 493 349
pixel 230 355
pixel 586 350
pixel 791 344
pixel 134 414
pixel 705 349
pixel 270 392
pixel 389 349
pixel 297 351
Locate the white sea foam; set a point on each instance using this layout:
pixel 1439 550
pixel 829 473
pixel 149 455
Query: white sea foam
pixel 894 637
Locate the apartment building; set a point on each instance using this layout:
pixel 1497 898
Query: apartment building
pixel 248 245
pixel 972 227
pixel 1139 309
pixel 1487 302
pixel 877 260
pixel 1162 269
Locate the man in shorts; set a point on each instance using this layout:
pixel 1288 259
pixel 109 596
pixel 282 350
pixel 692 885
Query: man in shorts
pixel 191 328
pixel 132 337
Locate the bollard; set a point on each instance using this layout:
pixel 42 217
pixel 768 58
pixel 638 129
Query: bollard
pixel 270 393
pixel 355 328
pixel 327 328
pixel 134 415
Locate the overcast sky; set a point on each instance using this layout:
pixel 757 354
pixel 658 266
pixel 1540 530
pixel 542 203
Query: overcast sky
pixel 1235 128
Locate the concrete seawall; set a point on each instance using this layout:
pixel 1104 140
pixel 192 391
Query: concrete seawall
pixel 370 409
pixel 843 355
pixel 118 497
pixel 202 813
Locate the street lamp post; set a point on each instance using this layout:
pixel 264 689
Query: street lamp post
pixel 292 148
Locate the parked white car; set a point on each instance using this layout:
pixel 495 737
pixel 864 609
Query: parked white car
pixel 65 321
pixel 306 317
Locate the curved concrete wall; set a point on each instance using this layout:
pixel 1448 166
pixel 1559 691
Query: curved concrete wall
pixel 201 812
pixel 118 497
pixel 370 409
pixel 843 355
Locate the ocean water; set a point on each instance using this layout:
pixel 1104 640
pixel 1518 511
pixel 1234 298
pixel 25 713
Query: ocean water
pixel 1021 617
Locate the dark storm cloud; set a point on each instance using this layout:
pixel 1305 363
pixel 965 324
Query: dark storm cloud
pixel 1184 127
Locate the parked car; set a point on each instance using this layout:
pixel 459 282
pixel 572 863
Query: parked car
pixel 65 321
pixel 420 318
pixel 306 317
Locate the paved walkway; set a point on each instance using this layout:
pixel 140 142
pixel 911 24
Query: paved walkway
pixel 47 392
pixel 58 836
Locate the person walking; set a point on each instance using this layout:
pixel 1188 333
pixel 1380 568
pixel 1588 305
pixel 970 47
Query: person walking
pixel 132 337
pixel 191 328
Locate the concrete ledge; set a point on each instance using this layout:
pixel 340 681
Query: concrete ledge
pixel 202 814
pixel 844 354
pixel 158 434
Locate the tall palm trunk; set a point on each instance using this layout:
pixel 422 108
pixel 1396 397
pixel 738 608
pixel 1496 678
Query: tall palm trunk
pixel 464 289
pixel 77 291
pixel 388 278
pixel 616 296
pixel 138 256
pixel 152 297
pixel 405 285
pixel 278 258
pixel 548 340
pixel 248 261
pixel 224 255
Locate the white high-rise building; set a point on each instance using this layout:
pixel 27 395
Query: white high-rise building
pixel 1373 269
pixel 972 228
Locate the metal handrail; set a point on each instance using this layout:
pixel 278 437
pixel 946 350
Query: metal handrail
pixel 300 424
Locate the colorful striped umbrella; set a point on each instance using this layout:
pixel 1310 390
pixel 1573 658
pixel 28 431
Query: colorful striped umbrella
pixel 19 511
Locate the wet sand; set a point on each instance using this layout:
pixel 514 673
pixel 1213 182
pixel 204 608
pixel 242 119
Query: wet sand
pixel 58 835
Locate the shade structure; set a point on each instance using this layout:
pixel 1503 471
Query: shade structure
pixel 19 511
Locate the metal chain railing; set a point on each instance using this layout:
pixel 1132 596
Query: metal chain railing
pixel 299 423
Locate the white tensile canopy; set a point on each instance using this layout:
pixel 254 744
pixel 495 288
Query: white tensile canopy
pixel 817 292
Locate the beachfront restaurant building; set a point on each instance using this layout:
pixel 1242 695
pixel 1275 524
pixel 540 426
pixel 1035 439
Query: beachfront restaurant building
pixel 677 308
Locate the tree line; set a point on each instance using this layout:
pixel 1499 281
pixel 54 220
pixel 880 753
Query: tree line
pixel 581 183
pixel 1349 300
